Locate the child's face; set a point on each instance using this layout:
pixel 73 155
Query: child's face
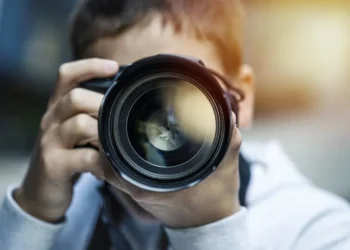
pixel 152 39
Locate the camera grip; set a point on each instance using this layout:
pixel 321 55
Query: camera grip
pixel 102 85
pixel 98 85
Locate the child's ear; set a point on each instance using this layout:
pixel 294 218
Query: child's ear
pixel 246 82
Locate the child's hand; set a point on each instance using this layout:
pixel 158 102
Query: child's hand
pixel 213 199
pixel 70 121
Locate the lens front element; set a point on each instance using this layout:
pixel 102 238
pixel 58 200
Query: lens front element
pixel 170 126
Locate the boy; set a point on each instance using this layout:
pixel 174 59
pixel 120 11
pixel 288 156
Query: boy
pixel 52 209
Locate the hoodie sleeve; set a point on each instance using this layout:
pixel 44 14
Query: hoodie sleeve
pixel 19 230
pixel 229 233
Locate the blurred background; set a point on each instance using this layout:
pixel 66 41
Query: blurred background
pixel 300 50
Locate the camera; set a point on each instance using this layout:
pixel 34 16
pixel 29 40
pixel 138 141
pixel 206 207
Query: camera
pixel 165 122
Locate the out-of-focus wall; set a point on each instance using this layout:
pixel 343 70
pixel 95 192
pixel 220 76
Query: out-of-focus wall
pixel 301 53
pixel 33 43
pixel 300 50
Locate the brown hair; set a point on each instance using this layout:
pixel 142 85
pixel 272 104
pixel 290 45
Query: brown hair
pixel 218 21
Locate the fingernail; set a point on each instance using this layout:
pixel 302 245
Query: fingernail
pixel 111 66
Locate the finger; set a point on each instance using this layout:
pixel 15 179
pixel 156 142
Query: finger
pixel 230 160
pixel 76 101
pixel 79 130
pixel 236 139
pixel 83 160
pixel 72 73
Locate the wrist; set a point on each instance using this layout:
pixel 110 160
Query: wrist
pixel 37 209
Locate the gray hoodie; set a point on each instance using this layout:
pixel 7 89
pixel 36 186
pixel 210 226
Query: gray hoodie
pixel 285 212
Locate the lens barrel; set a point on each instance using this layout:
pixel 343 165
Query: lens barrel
pixel 165 123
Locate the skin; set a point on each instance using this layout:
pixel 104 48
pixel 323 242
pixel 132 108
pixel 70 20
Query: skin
pixel 71 120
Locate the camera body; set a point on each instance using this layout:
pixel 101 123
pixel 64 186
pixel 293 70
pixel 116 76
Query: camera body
pixel 140 131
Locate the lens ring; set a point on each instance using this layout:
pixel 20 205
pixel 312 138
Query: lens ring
pixel 125 146
pixel 149 66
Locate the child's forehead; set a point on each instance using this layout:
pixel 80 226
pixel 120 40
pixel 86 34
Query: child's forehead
pixel 147 40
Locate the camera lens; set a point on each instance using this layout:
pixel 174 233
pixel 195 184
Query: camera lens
pixel 165 123
pixel 168 128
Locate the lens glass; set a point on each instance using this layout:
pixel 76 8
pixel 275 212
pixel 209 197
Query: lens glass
pixel 168 121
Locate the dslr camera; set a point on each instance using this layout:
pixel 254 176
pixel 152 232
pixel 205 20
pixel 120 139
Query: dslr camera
pixel 165 122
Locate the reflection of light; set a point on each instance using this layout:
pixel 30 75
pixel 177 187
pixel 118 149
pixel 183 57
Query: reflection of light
pixel 305 44
pixel 152 154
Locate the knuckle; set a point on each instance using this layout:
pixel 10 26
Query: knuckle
pixel 82 122
pixel 44 123
pixel 45 141
pixel 63 70
pixel 75 97
pixel 91 157
pixel 47 120
pixel 237 140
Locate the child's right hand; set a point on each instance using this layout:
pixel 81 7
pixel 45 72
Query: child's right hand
pixel 69 122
